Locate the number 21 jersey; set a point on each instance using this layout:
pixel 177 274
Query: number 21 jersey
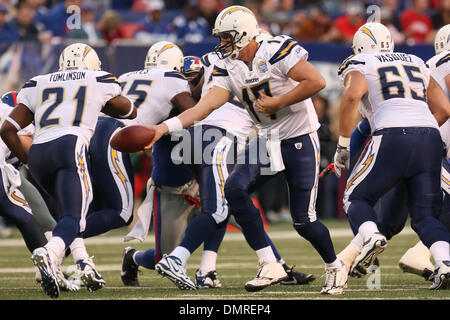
pixel 67 102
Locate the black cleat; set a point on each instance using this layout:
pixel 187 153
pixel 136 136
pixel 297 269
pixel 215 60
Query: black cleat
pixel 130 269
pixel 296 277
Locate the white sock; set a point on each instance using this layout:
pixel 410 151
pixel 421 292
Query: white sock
pixel 208 262
pixel 367 229
pixel 440 251
pixel 182 253
pixel 358 240
pixel 266 254
pixel 281 261
pixel 48 235
pixel 348 255
pixel 335 263
pixel 56 246
pixel 78 250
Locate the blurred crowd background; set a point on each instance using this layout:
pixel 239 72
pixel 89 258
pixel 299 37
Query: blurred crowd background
pixel 33 33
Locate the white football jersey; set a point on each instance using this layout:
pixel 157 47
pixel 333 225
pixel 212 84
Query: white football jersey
pixel 232 116
pixel 67 102
pixel 152 91
pixel 5 154
pixel 268 72
pixel 440 66
pixel 396 94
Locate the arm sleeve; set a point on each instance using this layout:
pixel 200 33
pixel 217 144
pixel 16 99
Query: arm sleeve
pixel 28 95
pixel 289 54
pixel 108 87
pixel 352 63
pixel 221 78
pixel 358 139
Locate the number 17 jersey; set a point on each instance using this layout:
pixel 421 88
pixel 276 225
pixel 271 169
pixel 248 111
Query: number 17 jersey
pixel 397 84
pixel 67 102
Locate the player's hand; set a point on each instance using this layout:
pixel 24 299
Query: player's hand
pixel 160 130
pixel 267 104
pixel 341 159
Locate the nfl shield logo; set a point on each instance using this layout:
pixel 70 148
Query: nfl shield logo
pixel 298 145
pixel 262 67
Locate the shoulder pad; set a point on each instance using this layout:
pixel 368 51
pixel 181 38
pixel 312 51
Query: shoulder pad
pixel 219 72
pixel 347 62
pixel 30 84
pixel 107 78
pixel 284 50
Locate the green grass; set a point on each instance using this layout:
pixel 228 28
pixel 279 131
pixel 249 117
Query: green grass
pixel 236 264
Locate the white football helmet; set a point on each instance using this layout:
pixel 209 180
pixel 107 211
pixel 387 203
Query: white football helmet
pixel 164 55
pixel 240 25
pixel 79 56
pixel 442 39
pixel 372 37
pixel 263 35
pixel 191 66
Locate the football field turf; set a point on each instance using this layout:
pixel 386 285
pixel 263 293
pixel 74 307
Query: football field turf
pixel 236 264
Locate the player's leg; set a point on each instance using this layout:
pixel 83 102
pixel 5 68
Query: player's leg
pixel 171 214
pixel 301 160
pixel 40 210
pixel 379 168
pixel 251 170
pixel 425 203
pixel 211 174
pixel 113 182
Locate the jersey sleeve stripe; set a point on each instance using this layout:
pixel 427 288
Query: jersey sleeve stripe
pixel 443 60
pixel 346 64
pixel 219 72
pixel 30 84
pixel 284 50
pixel 205 60
pixel 174 74
pixel 108 78
pixel 236 102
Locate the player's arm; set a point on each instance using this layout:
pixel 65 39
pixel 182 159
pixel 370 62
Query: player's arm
pixel 438 102
pixel 120 107
pixel 19 118
pixel 355 87
pixel 310 83
pixel 214 99
pixel 183 101
pixel 447 82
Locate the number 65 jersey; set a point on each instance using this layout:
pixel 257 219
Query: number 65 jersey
pixel 67 102
pixel 396 94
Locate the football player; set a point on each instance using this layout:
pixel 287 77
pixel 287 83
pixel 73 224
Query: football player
pixel 254 73
pixel 417 259
pixel 161 90
pixel 404 107
pixel 65 106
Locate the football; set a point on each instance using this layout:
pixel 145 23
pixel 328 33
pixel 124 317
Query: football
pixel 132 138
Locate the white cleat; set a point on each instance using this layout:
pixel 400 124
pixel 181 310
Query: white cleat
pixel 90 277
pixel 369 252
pixel 269 273
pixel 172 268
pixel 441 276
pixel 335 280
pixel 416 260
pixel 43 261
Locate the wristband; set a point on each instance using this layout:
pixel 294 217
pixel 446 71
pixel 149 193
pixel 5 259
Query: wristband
pixel 14 123
pixel 129 112
pixel 344 142
pixel 174 124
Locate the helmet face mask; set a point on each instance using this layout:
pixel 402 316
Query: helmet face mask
pixel 236 26
pixel 227 46
pixel 442 39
